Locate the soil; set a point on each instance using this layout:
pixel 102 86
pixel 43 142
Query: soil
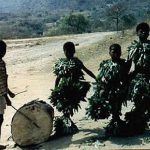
pixel 29 66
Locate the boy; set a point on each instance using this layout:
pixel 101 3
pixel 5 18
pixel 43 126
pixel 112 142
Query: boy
pixel 69 51
pixel 110 92
pixel 4 90
pixel 139 89
pixel 70 87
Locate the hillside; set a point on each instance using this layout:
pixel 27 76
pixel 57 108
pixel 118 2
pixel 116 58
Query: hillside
pixel 12 6
pixel 32 6
pixel 32 18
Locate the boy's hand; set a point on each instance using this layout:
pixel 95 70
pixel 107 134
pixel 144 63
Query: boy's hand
pixel 11 94
pixel 8 101
pixel 96 80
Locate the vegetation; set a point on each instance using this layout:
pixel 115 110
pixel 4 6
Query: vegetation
pixel 26 18
pixel 71 24
pixel 74 23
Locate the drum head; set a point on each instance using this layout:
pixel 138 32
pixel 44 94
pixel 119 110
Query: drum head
pixel 32 123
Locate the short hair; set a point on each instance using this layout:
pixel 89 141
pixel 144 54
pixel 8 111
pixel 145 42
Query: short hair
pixel 2 44
pixel 143 26
pixel 117 47
pixel 2 47
pixel 69 46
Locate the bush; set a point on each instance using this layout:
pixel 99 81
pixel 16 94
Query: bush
pixel 74 23
pixel 21 29
pixel 128 21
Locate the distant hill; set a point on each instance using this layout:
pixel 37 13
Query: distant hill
pixel 17 6
pixel 33 6
pixel 36 6
pixel 34 17
pixel 13 6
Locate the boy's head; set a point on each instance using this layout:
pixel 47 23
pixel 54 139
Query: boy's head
pixel 2 48
pixel 115 51
pixel 69 49
pixel 142 30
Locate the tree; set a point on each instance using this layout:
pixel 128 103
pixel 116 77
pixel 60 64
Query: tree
pixel 115 12
pixel 128 20
pixel 74 23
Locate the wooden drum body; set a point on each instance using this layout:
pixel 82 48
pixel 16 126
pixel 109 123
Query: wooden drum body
pixel 32 123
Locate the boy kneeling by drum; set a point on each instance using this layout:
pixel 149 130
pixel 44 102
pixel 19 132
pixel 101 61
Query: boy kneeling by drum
pixel 4 90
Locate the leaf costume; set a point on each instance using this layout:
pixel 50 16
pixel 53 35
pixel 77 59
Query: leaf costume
pixel 110 89
pixel 139 89
pixel 140 55
pixel 71 90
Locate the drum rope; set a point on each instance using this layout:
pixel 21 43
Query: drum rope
pixel 35 124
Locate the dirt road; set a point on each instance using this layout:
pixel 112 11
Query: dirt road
pixel 29 66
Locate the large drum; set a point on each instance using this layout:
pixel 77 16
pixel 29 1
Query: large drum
pixel 32 123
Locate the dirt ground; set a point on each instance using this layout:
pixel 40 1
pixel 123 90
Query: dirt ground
pixel 29 66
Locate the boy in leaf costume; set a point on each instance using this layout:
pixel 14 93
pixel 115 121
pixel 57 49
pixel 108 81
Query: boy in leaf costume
pixel 70 88
pixel 139 89
pixel 110 88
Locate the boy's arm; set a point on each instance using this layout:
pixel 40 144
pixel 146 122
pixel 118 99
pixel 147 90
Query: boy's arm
pixel 128 64
pixel 10 93
pixel 57 81
pixel 90 73
pixel 7 100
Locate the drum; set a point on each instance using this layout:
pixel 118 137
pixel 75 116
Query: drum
pixel 32 123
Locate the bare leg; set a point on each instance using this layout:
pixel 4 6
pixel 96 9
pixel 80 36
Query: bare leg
pixel 1 121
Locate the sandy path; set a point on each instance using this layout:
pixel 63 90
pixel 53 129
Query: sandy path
pixel 29 65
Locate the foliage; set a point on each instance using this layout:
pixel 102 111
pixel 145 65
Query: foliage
pixel 96 24
pixel 64 126
pixel 32 26
pixel 139 88
pixel 128 21
pixel 67 96
pixel 138 53
pixel 74 23
pixel 109 89
pixel 65 67
pixel 115 13
pixel 70 91
pixel 21 29
pixel 86 16
pixel 110 71
pixel 99 107
pixel 136 123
